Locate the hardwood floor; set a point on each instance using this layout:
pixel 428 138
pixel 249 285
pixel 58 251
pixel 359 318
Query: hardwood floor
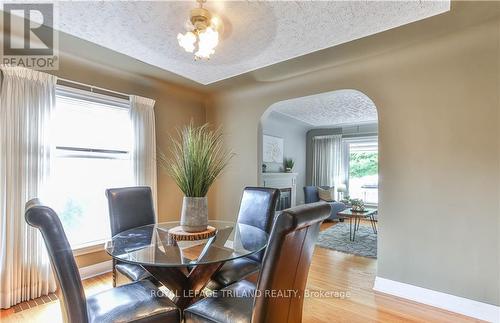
pixel 331 271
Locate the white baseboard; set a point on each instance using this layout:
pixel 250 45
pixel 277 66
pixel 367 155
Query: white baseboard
pixel 96 269
pixel 468 307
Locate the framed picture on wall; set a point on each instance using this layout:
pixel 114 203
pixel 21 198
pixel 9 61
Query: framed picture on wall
pixel 272 149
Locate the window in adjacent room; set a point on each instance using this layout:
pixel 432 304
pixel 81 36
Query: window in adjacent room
pixel 363 169
pixel 93 138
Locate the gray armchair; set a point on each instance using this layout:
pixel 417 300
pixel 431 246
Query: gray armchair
pixel 311 196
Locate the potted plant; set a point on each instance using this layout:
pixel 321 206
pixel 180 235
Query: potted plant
pixel 198 158
pixel 288 165
pixel 357 205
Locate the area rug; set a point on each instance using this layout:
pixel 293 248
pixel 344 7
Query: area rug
pixel 337 238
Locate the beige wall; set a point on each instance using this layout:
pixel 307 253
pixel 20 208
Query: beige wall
pixel 439 155
pixel 174 106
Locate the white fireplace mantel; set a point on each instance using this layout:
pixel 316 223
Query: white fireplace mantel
pixel 281 181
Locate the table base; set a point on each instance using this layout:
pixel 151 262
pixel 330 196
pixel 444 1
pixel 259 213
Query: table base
pixel 184 283
pixel 357 220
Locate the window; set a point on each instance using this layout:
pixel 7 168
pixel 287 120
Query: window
pixel 93 139
pixel 363 169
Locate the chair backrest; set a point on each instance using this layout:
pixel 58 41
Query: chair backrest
pixel 257 208
pixel 130 207
pixel 286 263
pixel 73 301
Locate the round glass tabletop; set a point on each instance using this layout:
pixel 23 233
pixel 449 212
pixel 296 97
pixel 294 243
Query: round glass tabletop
pixel 152 245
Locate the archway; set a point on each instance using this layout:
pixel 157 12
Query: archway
pixel 342 124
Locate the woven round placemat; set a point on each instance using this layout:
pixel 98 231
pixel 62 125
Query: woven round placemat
pixel 178 234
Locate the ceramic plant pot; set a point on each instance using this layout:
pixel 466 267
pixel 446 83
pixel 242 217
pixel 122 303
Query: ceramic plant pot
pixel 194 215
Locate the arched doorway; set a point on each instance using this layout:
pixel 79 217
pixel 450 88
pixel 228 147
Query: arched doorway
pixel 332 139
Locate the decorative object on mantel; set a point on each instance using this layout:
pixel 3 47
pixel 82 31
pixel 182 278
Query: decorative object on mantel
pixel 198 157
pixel 178 234
pixel 357 205
pixel 264 168
pixel 272 149
pixel 288 165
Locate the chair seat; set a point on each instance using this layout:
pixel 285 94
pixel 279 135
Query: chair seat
pixel 132 272
pixel 232 272
pixel 139 301
pixel 233 305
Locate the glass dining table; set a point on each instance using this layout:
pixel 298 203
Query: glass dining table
pixel 185 267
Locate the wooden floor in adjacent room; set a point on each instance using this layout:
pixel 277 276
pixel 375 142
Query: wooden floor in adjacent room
pixel 331 271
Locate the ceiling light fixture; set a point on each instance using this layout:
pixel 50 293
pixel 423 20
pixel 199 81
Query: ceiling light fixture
pixel 203 35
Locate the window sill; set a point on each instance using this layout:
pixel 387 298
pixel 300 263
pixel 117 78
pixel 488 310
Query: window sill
pixel 87 248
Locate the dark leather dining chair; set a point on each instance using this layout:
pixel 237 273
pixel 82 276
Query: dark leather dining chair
pixel 257 209
pixel 284 269
pixel 139 301
pixel 129 207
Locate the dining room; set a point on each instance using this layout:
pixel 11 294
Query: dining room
pixel 132 186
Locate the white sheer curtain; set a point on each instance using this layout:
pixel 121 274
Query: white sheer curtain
pixel 329 166
pixel 144 151
pixel 27 99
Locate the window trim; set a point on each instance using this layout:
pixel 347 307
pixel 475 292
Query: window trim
pixel 87 248
pixel 76 152
pixel 91 88
pixel 356 139
pixel 85 95
pixel 92 150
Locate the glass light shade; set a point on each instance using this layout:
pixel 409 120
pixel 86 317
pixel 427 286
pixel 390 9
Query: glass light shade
pixel 215 23
pixel 207 41
pixel 187 41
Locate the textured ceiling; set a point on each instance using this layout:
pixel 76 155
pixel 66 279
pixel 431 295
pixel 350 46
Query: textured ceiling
pixel 256 34
pixel 342 107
